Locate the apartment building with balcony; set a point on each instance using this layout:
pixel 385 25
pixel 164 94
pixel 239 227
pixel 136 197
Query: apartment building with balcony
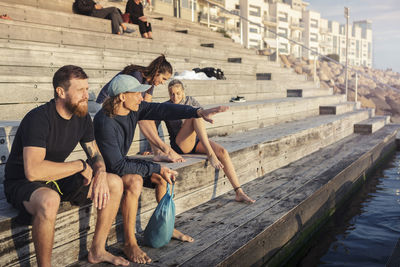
pixel 311 35
pixel 289 19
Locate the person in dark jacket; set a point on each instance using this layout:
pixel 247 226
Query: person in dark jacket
pixel 135 10
pixel 156 73
pixel 114 127
pixel 91 8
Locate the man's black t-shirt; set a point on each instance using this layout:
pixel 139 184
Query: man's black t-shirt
pixel 44 127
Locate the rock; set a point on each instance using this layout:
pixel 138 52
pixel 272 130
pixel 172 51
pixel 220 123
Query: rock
pixel 340 80
pixel 298 69
pixel 365 102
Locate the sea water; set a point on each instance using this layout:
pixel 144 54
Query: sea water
pixel 365 230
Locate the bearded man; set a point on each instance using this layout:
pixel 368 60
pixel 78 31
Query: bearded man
pixel 37 177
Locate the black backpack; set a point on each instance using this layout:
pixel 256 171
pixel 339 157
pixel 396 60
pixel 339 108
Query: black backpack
pixel 211 72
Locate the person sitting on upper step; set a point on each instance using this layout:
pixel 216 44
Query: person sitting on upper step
pixel 135 10
pixel 156 73
pixel 114 127
pixel 190 136
pixel 91 8
pixel 37 177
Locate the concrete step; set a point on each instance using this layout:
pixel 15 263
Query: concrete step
pixel 56 5
pixel 371 125
pixel 41 16
pixel 15 30
pixel 26 53
pixel 306 92
pixel 240 117
pixel 338 108
pixel 254 153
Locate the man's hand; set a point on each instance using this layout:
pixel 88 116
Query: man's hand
pixel 100 191
pixel 87 175
pixel 143 18
pixel 98 6
pixel 168 175
pixel 206 114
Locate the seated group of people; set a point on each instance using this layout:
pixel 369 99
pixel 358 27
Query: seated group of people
pixel 37 177
pixel 134 12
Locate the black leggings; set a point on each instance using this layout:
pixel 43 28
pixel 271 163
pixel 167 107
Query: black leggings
pixel 144 27
pixel 111 13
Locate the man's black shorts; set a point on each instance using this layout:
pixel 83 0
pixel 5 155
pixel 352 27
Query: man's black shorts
pixel 20 190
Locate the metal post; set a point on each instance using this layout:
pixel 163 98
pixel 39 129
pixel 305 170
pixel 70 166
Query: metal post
pixel 356 89
pixel 208 14
pixel 192 1
pixel 241 31
pixel 315 68
pixel 277 48
pixel 346 15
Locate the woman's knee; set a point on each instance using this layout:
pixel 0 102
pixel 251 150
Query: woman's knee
pixel 221 152
pixel 133 183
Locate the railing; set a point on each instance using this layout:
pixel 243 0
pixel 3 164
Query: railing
pixel 213 19
pixel 269 19
pixel 318 55
pixel 297 24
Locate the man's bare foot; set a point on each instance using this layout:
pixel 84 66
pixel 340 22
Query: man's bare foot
pixel 215 162
pixel 106 256
pixel 135 254
pixel 146 153
pixel 242 197
pixel 182 237
pixel 170 157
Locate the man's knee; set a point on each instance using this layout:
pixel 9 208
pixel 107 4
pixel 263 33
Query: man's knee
pixel 45 203
pixel 133 183
pixel 115 184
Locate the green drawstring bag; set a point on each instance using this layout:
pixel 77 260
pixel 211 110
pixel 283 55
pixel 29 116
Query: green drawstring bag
pixel 159 230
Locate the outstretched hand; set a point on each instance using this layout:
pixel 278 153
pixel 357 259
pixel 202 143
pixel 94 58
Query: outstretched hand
pixel 206 114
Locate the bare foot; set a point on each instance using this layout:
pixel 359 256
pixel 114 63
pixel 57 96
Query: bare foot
pixel 215 162
pixel 242 197
pixel 170 157
pixel 182 237
pixel 146 153
pixel 106 256
pixel 135 254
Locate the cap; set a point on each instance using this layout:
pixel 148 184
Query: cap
pixel 123 83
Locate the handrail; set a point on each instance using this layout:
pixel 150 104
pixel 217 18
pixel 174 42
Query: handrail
pixel 306 47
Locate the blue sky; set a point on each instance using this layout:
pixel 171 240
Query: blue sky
pixel 385 16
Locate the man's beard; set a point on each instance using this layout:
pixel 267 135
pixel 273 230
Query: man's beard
pixel 77 109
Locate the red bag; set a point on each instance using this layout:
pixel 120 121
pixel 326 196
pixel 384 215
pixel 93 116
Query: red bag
pixel 126 18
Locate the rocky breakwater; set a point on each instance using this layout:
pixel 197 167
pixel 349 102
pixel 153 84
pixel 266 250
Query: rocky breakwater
pixel 372 91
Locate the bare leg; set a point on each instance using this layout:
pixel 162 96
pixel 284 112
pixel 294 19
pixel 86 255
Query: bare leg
pixel 161 189
pixel 145 35
pixel 229 170
pixel 105 217
pixel 133 184
pixel 186 140
pixel 43 205
pixel 150 35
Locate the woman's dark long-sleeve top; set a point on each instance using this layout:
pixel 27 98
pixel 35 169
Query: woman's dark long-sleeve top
pixel 135 10
pixel 114 135
pixel 84 7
